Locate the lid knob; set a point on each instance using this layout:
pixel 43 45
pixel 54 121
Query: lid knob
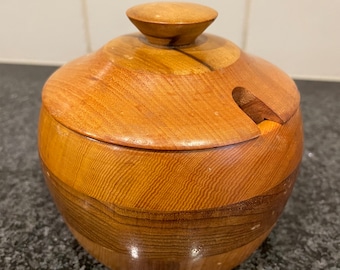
pixel 171 23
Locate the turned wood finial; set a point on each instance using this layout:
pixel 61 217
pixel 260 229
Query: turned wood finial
pixel 171 24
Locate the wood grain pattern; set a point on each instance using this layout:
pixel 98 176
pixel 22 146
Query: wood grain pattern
pixel 221 262
pixel 226 199
pixel 171 24
pixel 150 109
pixel 171 180
pixel 164 156
pixel 217 230
pixel 147 237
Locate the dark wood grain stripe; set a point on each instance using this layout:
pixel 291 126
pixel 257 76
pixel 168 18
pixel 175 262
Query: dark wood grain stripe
pixel 211 231
pixel 194 58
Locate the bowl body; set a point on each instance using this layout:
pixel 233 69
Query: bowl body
pixel 154 209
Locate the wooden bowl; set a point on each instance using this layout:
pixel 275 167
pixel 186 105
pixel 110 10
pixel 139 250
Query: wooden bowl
pixel 173 149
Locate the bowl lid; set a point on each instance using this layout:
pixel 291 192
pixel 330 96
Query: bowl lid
pixel 170 88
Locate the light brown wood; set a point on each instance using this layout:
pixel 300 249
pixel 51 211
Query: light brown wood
pixel 135 97
pixel 170 157
pixel 171 23
pixel 171 180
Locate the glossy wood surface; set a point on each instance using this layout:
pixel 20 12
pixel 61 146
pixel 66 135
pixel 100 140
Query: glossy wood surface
pixel 133 95
pixel 160 207
pixel 171 24
pixel 171 180
pixel 170 157
pixel 201 239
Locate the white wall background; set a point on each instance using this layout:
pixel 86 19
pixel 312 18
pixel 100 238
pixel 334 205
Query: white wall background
pixel 300 36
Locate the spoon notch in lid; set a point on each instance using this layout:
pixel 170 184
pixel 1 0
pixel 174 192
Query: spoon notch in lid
pixel 171 23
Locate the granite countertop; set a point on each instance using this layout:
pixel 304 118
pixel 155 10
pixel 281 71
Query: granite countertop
pixel 33 235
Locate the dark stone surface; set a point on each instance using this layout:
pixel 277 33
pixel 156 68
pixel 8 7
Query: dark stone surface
pixel 33 235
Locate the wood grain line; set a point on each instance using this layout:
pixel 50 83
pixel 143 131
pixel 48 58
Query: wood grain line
pixel 195 58
pixel 231 226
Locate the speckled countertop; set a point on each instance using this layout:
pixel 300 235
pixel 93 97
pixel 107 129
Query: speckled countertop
pixel 33 235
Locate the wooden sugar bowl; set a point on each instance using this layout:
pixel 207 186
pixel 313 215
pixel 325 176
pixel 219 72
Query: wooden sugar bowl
pixel 170 149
